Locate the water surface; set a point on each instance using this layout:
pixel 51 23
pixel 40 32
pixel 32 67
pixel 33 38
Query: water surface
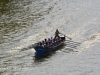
pixel 25 22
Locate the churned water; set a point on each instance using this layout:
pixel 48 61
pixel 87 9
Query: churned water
pixel 25 22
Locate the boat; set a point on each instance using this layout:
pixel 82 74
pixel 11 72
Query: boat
pixel 42 51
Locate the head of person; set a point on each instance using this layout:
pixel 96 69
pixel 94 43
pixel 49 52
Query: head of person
pixel 45 40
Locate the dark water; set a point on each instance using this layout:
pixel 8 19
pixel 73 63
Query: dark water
pixel 17 18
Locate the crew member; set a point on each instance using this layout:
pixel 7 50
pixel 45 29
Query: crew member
pixel 57 33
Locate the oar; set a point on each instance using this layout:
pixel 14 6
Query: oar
pixel 66 36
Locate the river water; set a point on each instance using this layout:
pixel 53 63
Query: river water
pixel 25 22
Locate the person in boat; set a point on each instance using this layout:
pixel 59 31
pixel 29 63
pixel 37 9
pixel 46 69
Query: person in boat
pixel 45 41
pixel 57 33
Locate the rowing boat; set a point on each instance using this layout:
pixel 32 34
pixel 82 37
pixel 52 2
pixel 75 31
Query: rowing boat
pixel 46 50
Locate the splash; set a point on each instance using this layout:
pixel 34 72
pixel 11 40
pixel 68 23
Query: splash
pixel 89 42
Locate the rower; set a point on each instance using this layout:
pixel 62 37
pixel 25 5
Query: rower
pixel 57 33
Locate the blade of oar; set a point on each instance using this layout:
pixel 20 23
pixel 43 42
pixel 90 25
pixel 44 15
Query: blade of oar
pixel 66 36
